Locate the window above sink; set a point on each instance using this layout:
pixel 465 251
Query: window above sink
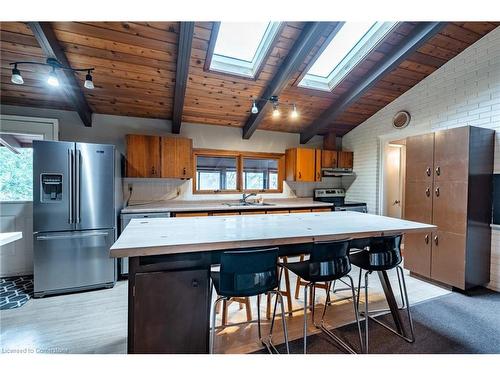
pixel 223 171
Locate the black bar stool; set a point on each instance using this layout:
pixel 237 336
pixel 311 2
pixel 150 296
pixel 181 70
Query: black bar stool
pixel 382 254
pixel 249 273
pixel 329 261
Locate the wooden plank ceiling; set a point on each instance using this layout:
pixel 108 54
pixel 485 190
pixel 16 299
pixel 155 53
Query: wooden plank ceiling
pixel 135 68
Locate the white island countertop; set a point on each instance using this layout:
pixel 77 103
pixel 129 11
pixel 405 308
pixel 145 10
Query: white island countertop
pixel 220 205
pixel 8 237
pixel 155 236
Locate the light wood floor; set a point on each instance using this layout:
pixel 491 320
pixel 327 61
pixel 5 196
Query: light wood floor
pixel 96 322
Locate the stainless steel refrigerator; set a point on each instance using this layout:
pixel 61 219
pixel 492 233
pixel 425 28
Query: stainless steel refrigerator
pixel 74 221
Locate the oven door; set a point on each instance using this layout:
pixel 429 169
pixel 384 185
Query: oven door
pixel 352 208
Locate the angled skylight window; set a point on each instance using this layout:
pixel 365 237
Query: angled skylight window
pixel 240 48
pixel 352 43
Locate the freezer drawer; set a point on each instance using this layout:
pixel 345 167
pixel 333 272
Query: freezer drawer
pixel 75 260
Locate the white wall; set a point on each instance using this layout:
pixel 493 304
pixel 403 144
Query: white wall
pixel 465 91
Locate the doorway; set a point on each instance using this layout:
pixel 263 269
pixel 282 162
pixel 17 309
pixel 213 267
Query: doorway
pixel 394 178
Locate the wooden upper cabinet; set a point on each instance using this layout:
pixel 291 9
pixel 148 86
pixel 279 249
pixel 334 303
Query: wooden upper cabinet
pixel 329 159
pixel 143 156
pixel 301 164
pixel 176 157
pixel 345 159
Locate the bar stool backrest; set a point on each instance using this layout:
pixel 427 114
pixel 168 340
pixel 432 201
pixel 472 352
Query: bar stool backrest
pixel 329 260
pixel 248 272
pixel 359 243
pixel 385 251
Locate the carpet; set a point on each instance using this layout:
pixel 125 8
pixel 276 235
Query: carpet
pixel 15 291
pixel 452 324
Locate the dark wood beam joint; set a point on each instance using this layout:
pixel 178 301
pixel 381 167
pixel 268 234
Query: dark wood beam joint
pixel 307 40
pixel 47 40
pixel 418 36
pixel 181 75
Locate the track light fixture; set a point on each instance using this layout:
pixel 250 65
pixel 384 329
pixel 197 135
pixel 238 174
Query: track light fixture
pixel 274 100
pixel 52 77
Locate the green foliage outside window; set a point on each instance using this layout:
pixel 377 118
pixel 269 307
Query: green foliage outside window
pixel 16 175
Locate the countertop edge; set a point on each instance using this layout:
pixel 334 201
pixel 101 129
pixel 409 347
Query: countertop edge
pixel 201 208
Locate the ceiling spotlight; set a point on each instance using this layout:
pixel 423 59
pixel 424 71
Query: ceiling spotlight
pixel 16 76
pixel 294 114
pixel 276 111
pixel 89 84
pixel 255 110
pixel 52 80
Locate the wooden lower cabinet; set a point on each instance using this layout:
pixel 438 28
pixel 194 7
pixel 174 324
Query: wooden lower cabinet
pixel 190 214
pixel 417 253
pixel 323 209
pixel 448 258
pixel 180 295
pixel 225 213
pixel 254 212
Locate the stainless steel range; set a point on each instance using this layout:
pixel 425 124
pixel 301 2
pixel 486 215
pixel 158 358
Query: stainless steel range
pixel 337 197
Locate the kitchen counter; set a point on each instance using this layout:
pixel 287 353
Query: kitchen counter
pixel 8 237
pixel 218 205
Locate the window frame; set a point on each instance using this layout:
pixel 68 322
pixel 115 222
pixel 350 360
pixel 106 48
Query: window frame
pixel 240 68
pixel 377 34
pixel 239 155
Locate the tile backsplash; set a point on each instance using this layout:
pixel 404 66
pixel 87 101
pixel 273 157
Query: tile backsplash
pixel 153 189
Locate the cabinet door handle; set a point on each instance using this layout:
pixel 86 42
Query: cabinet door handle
pixel 437 191
pixel 318 176
pixel 184 171
pixel 153 172
pixel 428 171
pixel 436 240
pixel 426 239
pixel 300 175
pixel 438 171
pixel 428 192
pixel 194 283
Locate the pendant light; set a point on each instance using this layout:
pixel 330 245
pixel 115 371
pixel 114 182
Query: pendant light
pixel 89 84
pixel 255 110
pixel 52 79
pixel 16 76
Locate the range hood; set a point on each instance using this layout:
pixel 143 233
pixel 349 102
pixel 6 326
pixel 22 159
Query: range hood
pixel 336 172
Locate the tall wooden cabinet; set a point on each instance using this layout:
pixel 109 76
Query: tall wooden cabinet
pixel 449 184
pixel 155 156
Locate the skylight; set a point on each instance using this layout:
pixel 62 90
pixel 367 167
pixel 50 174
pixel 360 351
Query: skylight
pixel 241 47
pixel 353 42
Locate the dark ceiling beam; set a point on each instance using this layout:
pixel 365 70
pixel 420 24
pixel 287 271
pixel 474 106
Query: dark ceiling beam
pixel 181 75
pixel 307 40
pixel 47 40
pixel 418 36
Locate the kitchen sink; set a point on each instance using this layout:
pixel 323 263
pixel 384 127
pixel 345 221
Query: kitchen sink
pixel 244 204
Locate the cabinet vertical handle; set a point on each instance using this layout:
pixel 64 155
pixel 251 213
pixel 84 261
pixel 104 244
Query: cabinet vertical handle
pixel 428 171
pixel 184 171
pixel 436 241
pixel 318 176
pixel 426 239
pixel 428 192
pixel 437 191
pixel 438 170
pixel 300 175
pixel 153 172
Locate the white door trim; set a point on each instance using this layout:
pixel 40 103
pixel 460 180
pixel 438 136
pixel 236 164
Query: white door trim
pixel 49 127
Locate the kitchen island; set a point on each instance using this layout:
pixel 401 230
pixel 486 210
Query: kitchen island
pixel 170 260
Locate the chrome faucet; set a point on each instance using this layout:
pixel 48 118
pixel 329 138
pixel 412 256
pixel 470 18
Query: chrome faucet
pixel 246 196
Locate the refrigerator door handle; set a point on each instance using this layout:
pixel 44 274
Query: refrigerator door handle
pixel 47 237
pixel 70 185
pixel 77 186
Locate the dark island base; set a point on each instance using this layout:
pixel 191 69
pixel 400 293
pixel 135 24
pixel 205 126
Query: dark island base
pixel 169 301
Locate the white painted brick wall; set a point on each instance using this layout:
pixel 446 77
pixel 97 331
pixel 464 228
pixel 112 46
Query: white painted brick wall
pixel 464 91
